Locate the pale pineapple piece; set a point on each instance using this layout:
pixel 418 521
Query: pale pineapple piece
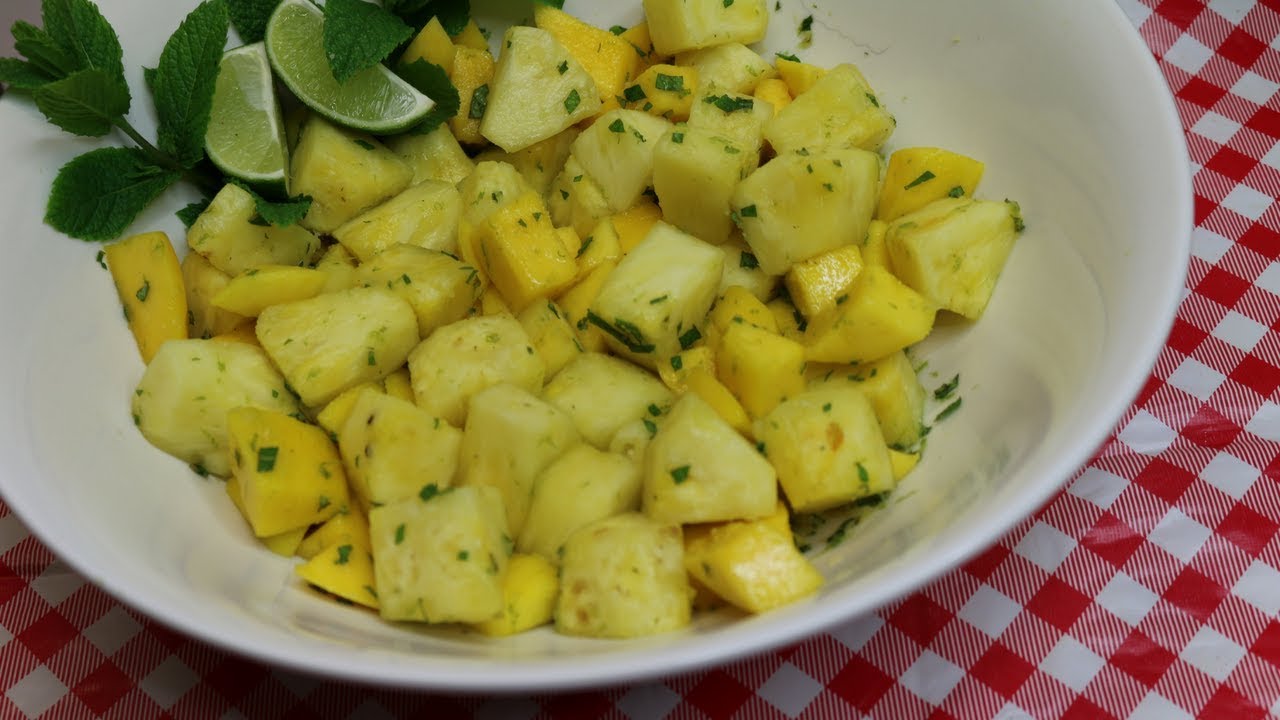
pixel 694 174
pixel 609 59
pixel 539 163
pixel 436 155
pixel 463 358
pixel 335 413
pixel 576 200
pixel 531 98
pixel 881 317
pixel 602 393
pixel 731 66
pixel 750 564
pixel 953 250
pixel 633 439
pixel 799 205
pixel 231 238
pixel 917 176
pixel 344 172
pixel 398 385
pixel 551 335
pixel 676 371
pixel 339 267
pixel 617 152
pixel 510 437
pixel 441 557
pixel 392 449
pixel 202 281
pixel 440 288
pixel 840 110
pixel 425 215
pixel 580 487
pixel 181 402
pixel 895 392
pixel 490 186
pixel 827 447
pixel 331 342
pixel 529 590
pixel 736 116
pixel 258 288
pixel 699 469
pixel 650 306
pixel 679 25
pixel 742 268
pixel 623 577
pixel 721 399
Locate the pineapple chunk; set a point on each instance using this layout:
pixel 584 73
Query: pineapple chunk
pixel 607 58
pixel 798 76
pixel 511 436
pixel 623 577
pixel 522 253
pixel 580 487
pixel 539 163
pixel 441 557
pixel 714 393
pixel 227 236
pixel 576 199
pixel 473 70
pixel 902 463
pixel 433 156
pixel 602 246
pixel 803 204
pixel 602 393
pixel 773 91
pixel 827 448
pixel 529 590
pixel 339 268
pixel 731 66
pixel 461 359
pixel 289 472
pixel 425 215
pixel 492 185
pixel 576 303
pixel 917 176
pixel 634 224
pixel 399 385
pixel 665 91
pixel 335 413
pixel 874 251
pixel 651 305
pixel 820 283
pixel 699 469
pixel 182 401
pixel 675 372
pixel 695 173
pixel 439 288
pixel 551 335
pixel 791 322
pixel 742 268
pixel 840 110
pixel 761 368
pixel 471 37
pixel 344 569
pixel 346 526
pixel 632 440
pixel 392 449
pixel 532 98
pixel 895 393
pixel 732 115
pixel 331 342
pixel 881 316
pixel 344 172
pixel 257 289
pixel 952 251
pixel 617 152
pixel 202 281
pixel 148 280
pixel 750 564
pixel 433 45
pixel 679 25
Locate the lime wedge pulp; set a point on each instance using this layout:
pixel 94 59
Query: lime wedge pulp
pixel 374 100
pixel 246 137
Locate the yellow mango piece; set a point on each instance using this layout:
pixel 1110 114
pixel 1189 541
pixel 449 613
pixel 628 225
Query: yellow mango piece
pixel 432 44
pixel 798 76
pixel 917 176
pixel 339 267
pixel 874 250
pixel 335 413
pixel 640 39
pixel 241 334
pixel 570 240
pixel 523 253
pixel 791 323
pixel 202 281
pixel 665 91
pixel 577 300
pixel 259 288
pixel 397 385
pixel 350 525
pixel 345 570
pixel 529 591
pixel 289 472
pixel 780 520
pixel 491 303
pixel 761 368
pixel 675 373
pixel 706 386
pixel 750 564
pixel 610 60
pixel 738 304
pixel 471 37
pixel 881 316
pixel 775 92
pixel 472 67
pixel 820 283
pixel 704 598
pixel 551 335
pixel 284 544
pixel 902 462
pixel 633 224
pixel 600 247
pixel 148 280
pixel 469 250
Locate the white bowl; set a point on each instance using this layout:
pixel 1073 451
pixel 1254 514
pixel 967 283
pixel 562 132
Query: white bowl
pixel 1061 100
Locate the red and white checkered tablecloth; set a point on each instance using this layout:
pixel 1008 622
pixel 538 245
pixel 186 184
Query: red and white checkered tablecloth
pixel 1149 588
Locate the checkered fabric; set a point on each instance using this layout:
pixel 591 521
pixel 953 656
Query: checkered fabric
pixel 1149 588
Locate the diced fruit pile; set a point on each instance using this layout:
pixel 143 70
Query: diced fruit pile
pixel 578 355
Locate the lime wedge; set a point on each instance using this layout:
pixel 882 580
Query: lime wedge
pixel 246 137
pixel 375 100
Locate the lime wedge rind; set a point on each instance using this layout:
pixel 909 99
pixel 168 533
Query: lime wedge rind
pixel 245 138
pixel 374 100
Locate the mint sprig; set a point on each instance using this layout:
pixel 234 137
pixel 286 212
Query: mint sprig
pixel 249 18
pixel 359 35
pixel 87 102
pixel 453 14
pixel 185 79
pixel 431 80
pixel 97 195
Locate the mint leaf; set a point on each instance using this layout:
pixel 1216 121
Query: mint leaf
pixel 98 194
pixel 184 82
pixel 79 28
pixel 281 214
pixel 35 45
pixel 88 102
pixel 22 75
pixel 192 211
pixel 249 18
pixel 359 35
pixel 431 80
pixel 453 14
pixel 557 4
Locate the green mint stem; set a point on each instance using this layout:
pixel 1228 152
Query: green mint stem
pixel 209 185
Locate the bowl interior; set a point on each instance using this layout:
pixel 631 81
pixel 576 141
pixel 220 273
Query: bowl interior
pixel 1061 101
